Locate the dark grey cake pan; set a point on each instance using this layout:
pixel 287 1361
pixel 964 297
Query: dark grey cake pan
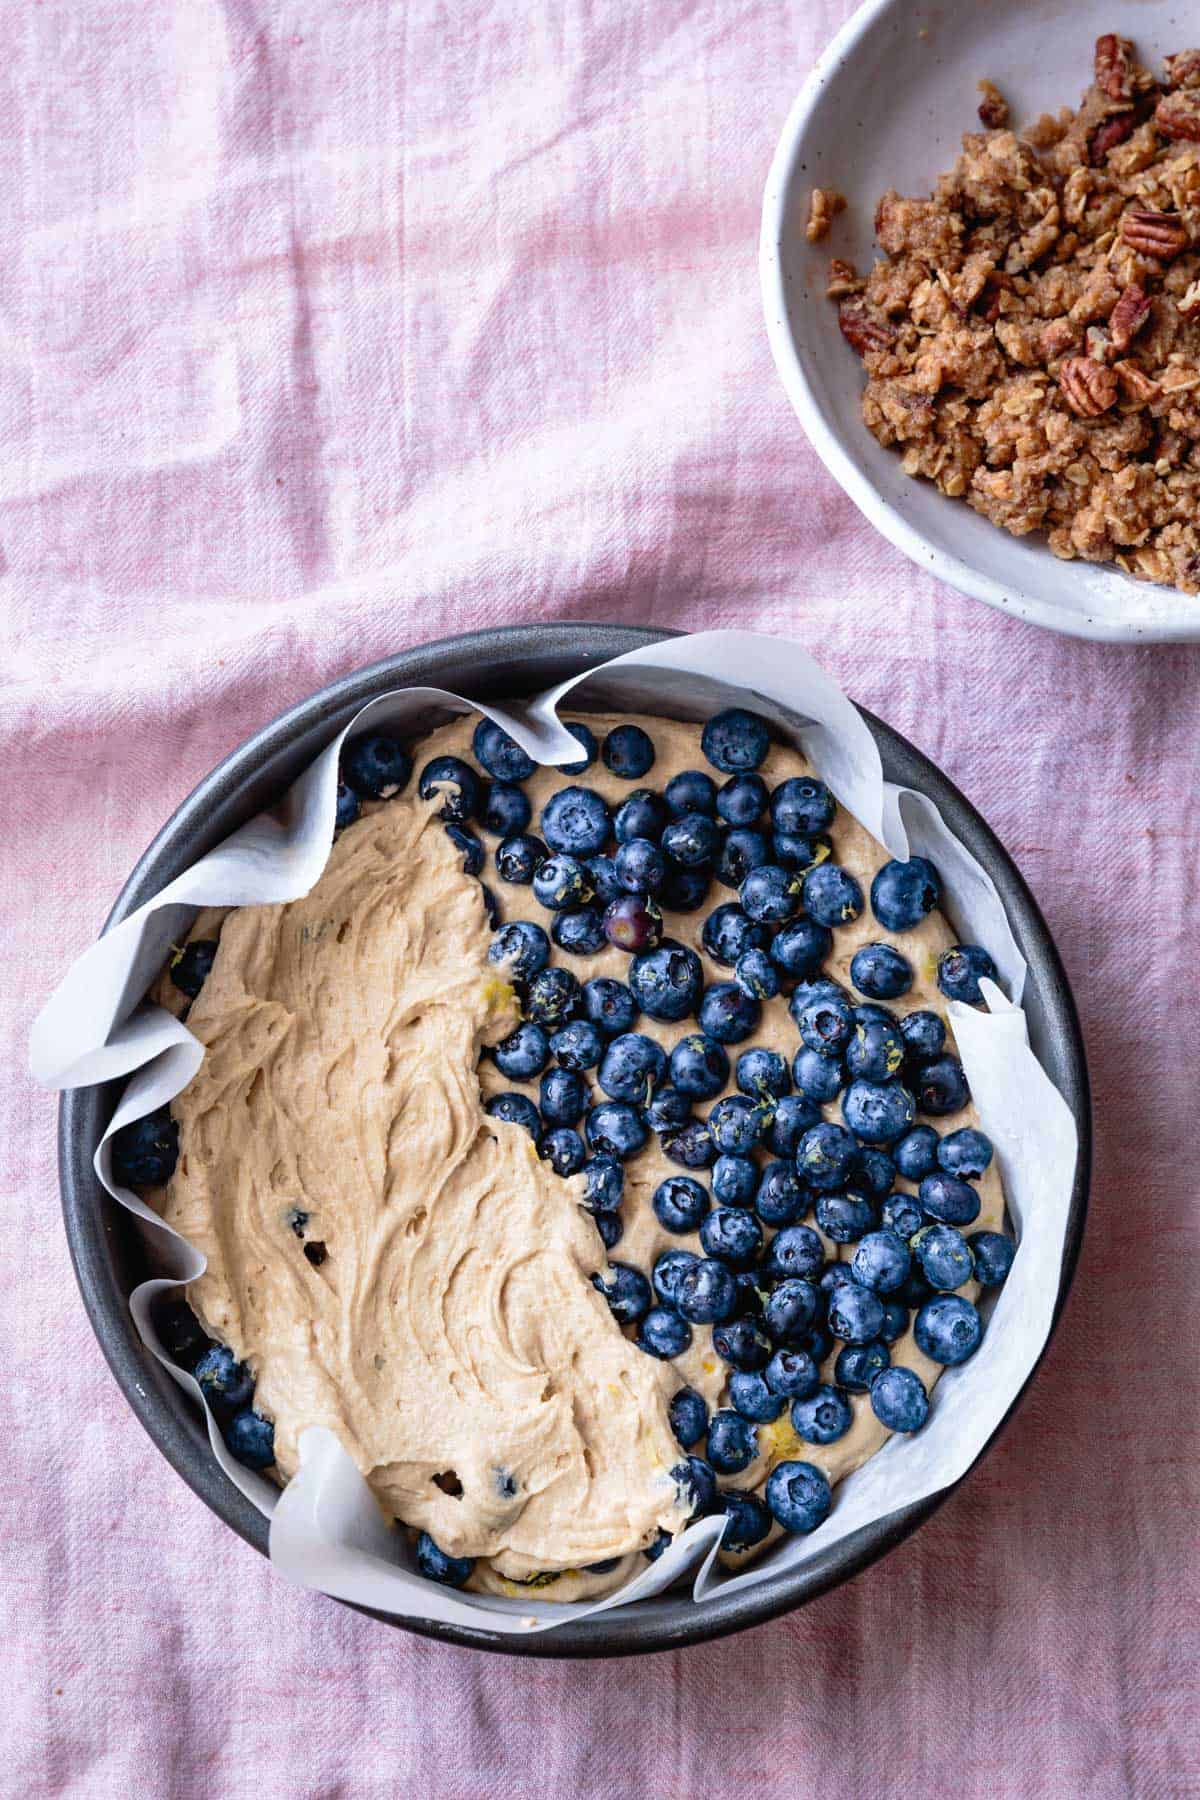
pixel 108 1256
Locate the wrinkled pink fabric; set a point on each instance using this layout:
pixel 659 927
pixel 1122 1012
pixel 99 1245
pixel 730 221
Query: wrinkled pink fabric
pixel 330 326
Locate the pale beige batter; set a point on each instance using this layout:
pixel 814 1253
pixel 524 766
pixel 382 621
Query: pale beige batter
pixel 450 1335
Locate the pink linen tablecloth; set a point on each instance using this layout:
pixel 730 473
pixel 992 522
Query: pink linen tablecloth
pixel 334 325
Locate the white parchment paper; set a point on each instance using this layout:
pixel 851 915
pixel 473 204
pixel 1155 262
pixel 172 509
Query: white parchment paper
pixel 326 1531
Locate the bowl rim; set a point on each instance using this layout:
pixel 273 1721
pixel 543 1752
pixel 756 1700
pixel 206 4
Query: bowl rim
pixel 105 1257
pixel 943 564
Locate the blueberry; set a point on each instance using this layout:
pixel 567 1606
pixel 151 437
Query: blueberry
pixel 916 1152
pixel 435 1565
pixel 697 1485
pixel 819 1078
pixel 590 749
pixel 191 966
pixel 632 1067
pixel 916 1290
pixel 875 1171
pixel 825 1156
pixel 738 1124
pixel 605 1179
pixel 679 1203
pixel 949 1200
pixel 226 1383
pixel 666 982
pixel 734 1180
pixel 523 1054
pixel 633 923
pixel 728 934
pixel 562 1098
pixel 251 1439
pixel 881 972
pixel 801 947
pixel 728 1014
pixel 610 1228
pixel 944 1257
pixel 735 740
pixel 689 1417
pixel 499 754
pixel 742 852
pixel 689 792
pixel 948 1329
pixel 376 766
pixel 144 1152
pixel 796 1250
pixel 732 1442
pixel 800 853
pixel 752 1399
pixel 827 1026
pixel 733 1235
pixel 798 1496
pixel 685 890
pixel 941 1086
pixel 823 1417
pixel 614 1129
pixel 881 1261
pixel 802 806
pixel 505 809
pixel 668 1109
pixel 691 1145
pixel 781 1197
pixel 993 1254
pixel 742 1344
pixel 605 882
pixel 966 1153
pixel 794 1115
pixel 898 1400
pixel 459 785
pixel 663 1333
pixel 831 895
pixel 845 1217
pixel 516 1109
pixel 660 1542
pixel 747 1521
pixel 903 1214
pixel 669 1270
pixel 641 815
pixel 692 841
pixel 348 806
pixel 792 1373
pixel 789 1310
pixel 554 997
pixel 179 1331
pixel 579 931
pixel 742 800
pixel 757 976
pixel 837 1275
pixel 626 1290
pixel 762 1072
pixel 771 895
pixel 706 1293
pixel 609 1005
pixel 924 1034
pixel 878 1112
pixel 875 1052
pixel 578 1045
pixel 882 1015
pixel 699 1066
pixel 819 987
pixel 960 970
pixel 628 752
pixel 564 1150
pixel 640 867
pixel 521 949
pixel 903 892
pixel 468 846
pixel 576 819
pixel 749 1302
pixel 854 1313
pixel 517 859
pixel 562 881
pixel 895 1321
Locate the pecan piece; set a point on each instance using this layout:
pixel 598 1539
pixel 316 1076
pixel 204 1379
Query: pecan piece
pixel 844 279
pixel 1182 70
pixel 1089 387
pixel 1128 316
pixel 1106 137
pixel 1057 335
pixel 993 108
pixel 862 332
pixel 824 207
pixel 1114 66
pixel 1136 383
pixel 1158 234
pixel 1189 301
pixel 1177 115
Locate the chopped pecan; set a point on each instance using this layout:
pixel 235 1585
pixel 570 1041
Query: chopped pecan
pixel 844 279
pixel 824 207
pixel 1088 386
pixel 993 108
pixel 1106 137
pixel 862 332
pixel 1114 66
pixel 1182 70
pixel 1158 234
pixel 1177 115
pixel 1057 335
pixel 1136 383
pixel 1128 316
pixel 1189 301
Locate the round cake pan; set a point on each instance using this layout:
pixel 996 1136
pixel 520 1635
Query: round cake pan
pixel 108 1259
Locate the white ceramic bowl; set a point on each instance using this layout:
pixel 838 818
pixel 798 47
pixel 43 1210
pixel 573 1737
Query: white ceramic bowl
pixel 886 106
